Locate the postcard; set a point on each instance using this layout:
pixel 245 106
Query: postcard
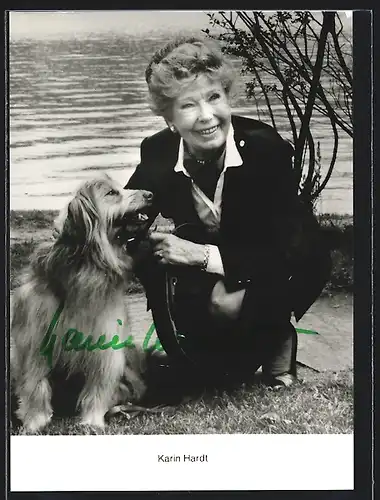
pixel 181 250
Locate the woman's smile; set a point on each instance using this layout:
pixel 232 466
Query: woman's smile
pixel 209 131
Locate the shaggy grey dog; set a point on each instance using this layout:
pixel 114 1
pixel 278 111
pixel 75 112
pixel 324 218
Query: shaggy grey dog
pixel 70 312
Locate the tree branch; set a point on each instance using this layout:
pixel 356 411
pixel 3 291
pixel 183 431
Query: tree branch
pixel 300 144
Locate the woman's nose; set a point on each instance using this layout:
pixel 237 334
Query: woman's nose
pixel 205 111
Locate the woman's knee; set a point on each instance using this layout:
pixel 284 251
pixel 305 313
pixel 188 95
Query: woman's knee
pixel 225 305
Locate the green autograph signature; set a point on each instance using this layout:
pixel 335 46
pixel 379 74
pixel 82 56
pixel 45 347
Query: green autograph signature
pixel 74 340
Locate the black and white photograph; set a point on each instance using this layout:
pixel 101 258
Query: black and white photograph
pixel 181 240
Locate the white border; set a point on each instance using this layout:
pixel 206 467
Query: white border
pixel 130 463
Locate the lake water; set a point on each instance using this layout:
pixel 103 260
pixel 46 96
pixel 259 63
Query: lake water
pixel 79 107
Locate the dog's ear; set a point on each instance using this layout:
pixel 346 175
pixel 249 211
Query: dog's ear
pixel 82 219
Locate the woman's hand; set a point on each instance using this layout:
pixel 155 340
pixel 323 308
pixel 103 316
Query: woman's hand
pixel 169 249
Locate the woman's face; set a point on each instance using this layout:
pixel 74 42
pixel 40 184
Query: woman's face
pixel 201 114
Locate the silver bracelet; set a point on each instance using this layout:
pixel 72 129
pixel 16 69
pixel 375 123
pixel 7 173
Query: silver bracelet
pixel 206 258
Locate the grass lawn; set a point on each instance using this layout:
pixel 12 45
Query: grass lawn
pixel 320 403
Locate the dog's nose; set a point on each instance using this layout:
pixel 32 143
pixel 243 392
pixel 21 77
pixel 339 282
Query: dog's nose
pixel 148 195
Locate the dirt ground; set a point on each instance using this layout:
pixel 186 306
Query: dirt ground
pixel 332 349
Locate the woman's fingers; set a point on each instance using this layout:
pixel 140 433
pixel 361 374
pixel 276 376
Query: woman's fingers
pixel 157 240
pixel 158 243
pixel 157 237
pixel 170 249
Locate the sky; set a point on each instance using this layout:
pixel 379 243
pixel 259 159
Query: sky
pixel 54 23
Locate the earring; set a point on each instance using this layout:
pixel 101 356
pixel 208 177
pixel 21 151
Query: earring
pixel 172 129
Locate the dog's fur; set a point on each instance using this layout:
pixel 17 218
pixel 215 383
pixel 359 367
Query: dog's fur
pixel 86 269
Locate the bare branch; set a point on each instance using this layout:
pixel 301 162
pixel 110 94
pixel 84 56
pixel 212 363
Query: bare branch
pixel 340 57
pixel 326 27
pixel 308 73
pixel 333 159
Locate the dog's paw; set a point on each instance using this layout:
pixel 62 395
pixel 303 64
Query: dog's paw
pixel 36 423
pixel 93 420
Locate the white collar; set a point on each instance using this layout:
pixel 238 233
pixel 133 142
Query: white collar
pixel 232 158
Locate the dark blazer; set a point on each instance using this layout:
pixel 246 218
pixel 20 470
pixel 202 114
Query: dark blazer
pixel 261 212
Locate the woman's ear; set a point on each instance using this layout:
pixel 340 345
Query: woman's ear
pixel 171 126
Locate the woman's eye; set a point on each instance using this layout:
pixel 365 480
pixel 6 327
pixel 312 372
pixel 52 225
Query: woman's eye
pixel 186 105
pixel 112 192
pixel 214 97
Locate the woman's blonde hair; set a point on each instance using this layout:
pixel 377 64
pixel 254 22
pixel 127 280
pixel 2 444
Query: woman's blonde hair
pixel 179 63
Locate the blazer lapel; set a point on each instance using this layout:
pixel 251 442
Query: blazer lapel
pixel 178 197
pixel 233 178
pixel 183 198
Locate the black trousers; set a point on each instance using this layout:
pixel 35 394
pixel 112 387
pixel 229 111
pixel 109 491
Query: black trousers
pixel 270 343
pixel 263 335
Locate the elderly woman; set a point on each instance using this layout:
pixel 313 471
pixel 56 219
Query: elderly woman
pixel 227 183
